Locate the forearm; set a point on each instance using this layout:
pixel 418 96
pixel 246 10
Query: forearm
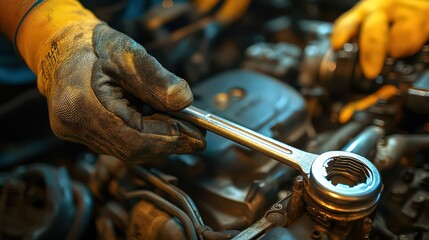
pixel 11 13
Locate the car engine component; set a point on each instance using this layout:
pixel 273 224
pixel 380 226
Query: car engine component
pixel 340 71
pixel 341 186
pixel 252 179
pixel 41 202
pixel 268 81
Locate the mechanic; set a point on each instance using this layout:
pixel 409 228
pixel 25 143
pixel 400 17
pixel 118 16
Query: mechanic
pixel 92 75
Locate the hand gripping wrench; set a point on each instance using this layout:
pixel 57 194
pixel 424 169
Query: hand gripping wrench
pixel 340 181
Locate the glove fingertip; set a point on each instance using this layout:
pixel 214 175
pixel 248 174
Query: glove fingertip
pixel 371 65
pixel 178 96
pixel 172 97
pixel 345 27
pixel 337 41
pixel 192 134
pixel 197 144
pixel 371 72
pixel 373 44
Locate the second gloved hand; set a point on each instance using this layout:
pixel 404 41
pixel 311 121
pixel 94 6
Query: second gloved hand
pixel 397 27
pixel 95 80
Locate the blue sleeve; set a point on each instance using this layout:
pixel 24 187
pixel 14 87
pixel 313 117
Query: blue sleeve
pixel 13 70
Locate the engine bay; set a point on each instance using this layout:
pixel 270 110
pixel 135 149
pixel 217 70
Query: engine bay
pixel 270 70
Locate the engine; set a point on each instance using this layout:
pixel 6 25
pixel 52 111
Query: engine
pixel 271 71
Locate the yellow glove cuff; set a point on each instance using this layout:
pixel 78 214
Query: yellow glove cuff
pixel 45 30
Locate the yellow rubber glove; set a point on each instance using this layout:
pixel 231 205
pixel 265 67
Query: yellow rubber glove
pixel 398 27
pixel 96 81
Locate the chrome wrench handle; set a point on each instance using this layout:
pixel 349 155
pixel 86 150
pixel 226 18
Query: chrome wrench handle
pixel 277 150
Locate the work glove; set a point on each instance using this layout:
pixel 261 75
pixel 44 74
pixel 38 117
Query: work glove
pixel 98 83
pixel 397 27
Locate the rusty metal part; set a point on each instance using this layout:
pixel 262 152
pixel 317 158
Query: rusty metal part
pixel 338 181
pixel 296 207
pixel 277 215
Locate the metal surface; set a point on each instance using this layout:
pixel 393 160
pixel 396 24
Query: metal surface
pixel 241 97
pixel 279 151
pixel 339 181
pixel 296 207
pixel 345 183
pixel 393 148
pixel 228 173
pixel 255 230
pixel 418 94
pixel 365 143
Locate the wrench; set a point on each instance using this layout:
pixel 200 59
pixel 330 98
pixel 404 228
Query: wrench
pixel 277 150
pixel 358 198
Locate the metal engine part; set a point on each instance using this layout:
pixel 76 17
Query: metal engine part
pixel 418 94
pixel 40 201
pixel 339 71
pixel 229 174
pixel 365 179
pixel 279 60
pixel 347 185
pixel 339 186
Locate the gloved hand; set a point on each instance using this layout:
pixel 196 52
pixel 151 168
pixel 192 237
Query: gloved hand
pixel 397 27
pixel 95 80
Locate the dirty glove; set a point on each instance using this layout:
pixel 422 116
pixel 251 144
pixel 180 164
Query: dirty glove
pixel 398 27
pixel 97 82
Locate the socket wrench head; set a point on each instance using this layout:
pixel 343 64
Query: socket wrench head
pixel 344 183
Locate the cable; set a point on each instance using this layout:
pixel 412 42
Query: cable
pixel 167 207
pixel 182 198
pixel 185 202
